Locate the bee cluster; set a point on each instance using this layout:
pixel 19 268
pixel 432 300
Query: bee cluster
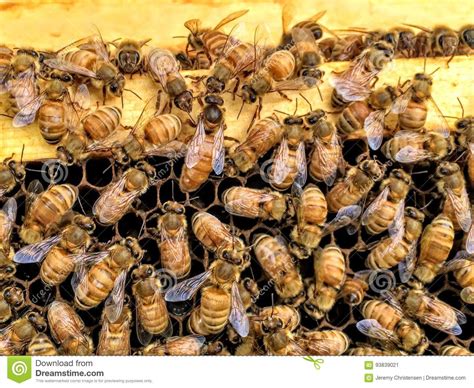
pixel 310 236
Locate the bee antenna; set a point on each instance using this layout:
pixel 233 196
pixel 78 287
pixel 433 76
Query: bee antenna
pixel 131 91
pixel 319 92
pixel 462 108
pixel 424 65
pixel 193 121
pixel 80 204
pixel 279 111
pixel 22 152
pixel 179 37
pixel 240 111
pixel 307 101
pixel 296 107
pixel 434 71
pixel 273 306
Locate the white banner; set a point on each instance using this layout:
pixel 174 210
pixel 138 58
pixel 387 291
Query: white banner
pixel 232 372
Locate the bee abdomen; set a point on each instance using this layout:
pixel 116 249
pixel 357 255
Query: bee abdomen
pixel 414 117
pixel 162 129
pixel 56 267
pixel 53 204
pixel 102 122
pixel 51 121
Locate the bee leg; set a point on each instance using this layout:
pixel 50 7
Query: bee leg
pixel 104 90
pixel 236 88
pixel 283 95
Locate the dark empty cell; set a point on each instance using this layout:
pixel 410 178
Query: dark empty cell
pixel 340 314
pixel 433 334
pixel 86 200
pixel 265 296
pixel 72 174
pixel 344 239
pixel 355 335
pixel 356 260
pixel 180 309
pixel 205 195
pixel 91 317
pixel 308 322
pixel 178 166
pixel 467 331
pixel 352 149
pixel 148 200
pixel 225 184
pixel 370 238
pixel 196 268
pixel 306 267
pixel 27 271
pixel 256 181
pixel 99 172
pixel 437 284
pixel 41 294
pixel 257 231
pixel 450 297
pixel 169 191
pixel 130 225
pixel 66 291
pixel 220 213
pixel 244 223
pixel 196 249
pixel 104 233
pixel 152 253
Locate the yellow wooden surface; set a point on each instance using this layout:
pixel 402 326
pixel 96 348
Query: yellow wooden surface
pixel 52 24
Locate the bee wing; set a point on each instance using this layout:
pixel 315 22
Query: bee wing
pixel 82 97
pixel 34 253
pixel 304 41
pixel 401 102
pixel 174 243
pixel 193 25
pixel 23 87
pixel 374 126
pixel 280 168
pixel 10 209
pixel 27 114
pixel 470 240
pixel 100 47
pixel 244 203
pixel 218 151
pixel 409 154
pixel 187 288
pixel 378 203
pixel 114 303
pixel 194 146
pixel 114 140
pixel 328 163
pixel 436 316
pixel 407 265
pixel 459 262
pixel 462 208
pixel 396 229
pixel 319 346
pixel 299 83
pixel 437 119
pixel 83 261
pixel 34 189
pixel 69 67
pixel 390 298
pixel 301 166
pixel 229 18
pixel 238 317
pixel 372 328
pixel 143 336
pixel 344 217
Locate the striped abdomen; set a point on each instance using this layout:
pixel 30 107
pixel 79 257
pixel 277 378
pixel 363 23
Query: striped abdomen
pixel 162 129
pixel 52 121
pixel 101 123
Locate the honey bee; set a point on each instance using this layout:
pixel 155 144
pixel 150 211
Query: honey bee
pixel 428 309
pixel 128 56
pixel 220 300
pixel 174 244
pixel 7 220
pixel 402 39
pixel 399 246
pixel 273 76
pixel 114 337
pixel 326 157
pixel 368 350
pixel 311 24
pixel 356 185
pixel 189 345
pixel 152 314
pixel 354 83
pixel 117 198
pixel 435 245
pixel 106 277
pixel 454 350
pixel 442 41
pixel 329 276
pixel 387 323
pixel 262 137
pixel 11 299
pixel 462 266
pixel 12 173
pixel 452 186
pixel 388 209
pixel 411 147
pixel 342 48
pixel 15 338
pixel 279 266
pixel 466 39
pixel 412 106
pixel 354 288
pixel 56 108
pixel 91 62
pixel 41 345
pixel 324 342
pixel 6 57
pixel 465 130
pixel 164 68
pixel 205 152
pixel 209 44
pixel 263 204
pixel 368 116
pixel 275 317
pixel 282 342
pixel 289 160
pixel 68 330
pixel 216 237
pixel 46 210
pixel 60 252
